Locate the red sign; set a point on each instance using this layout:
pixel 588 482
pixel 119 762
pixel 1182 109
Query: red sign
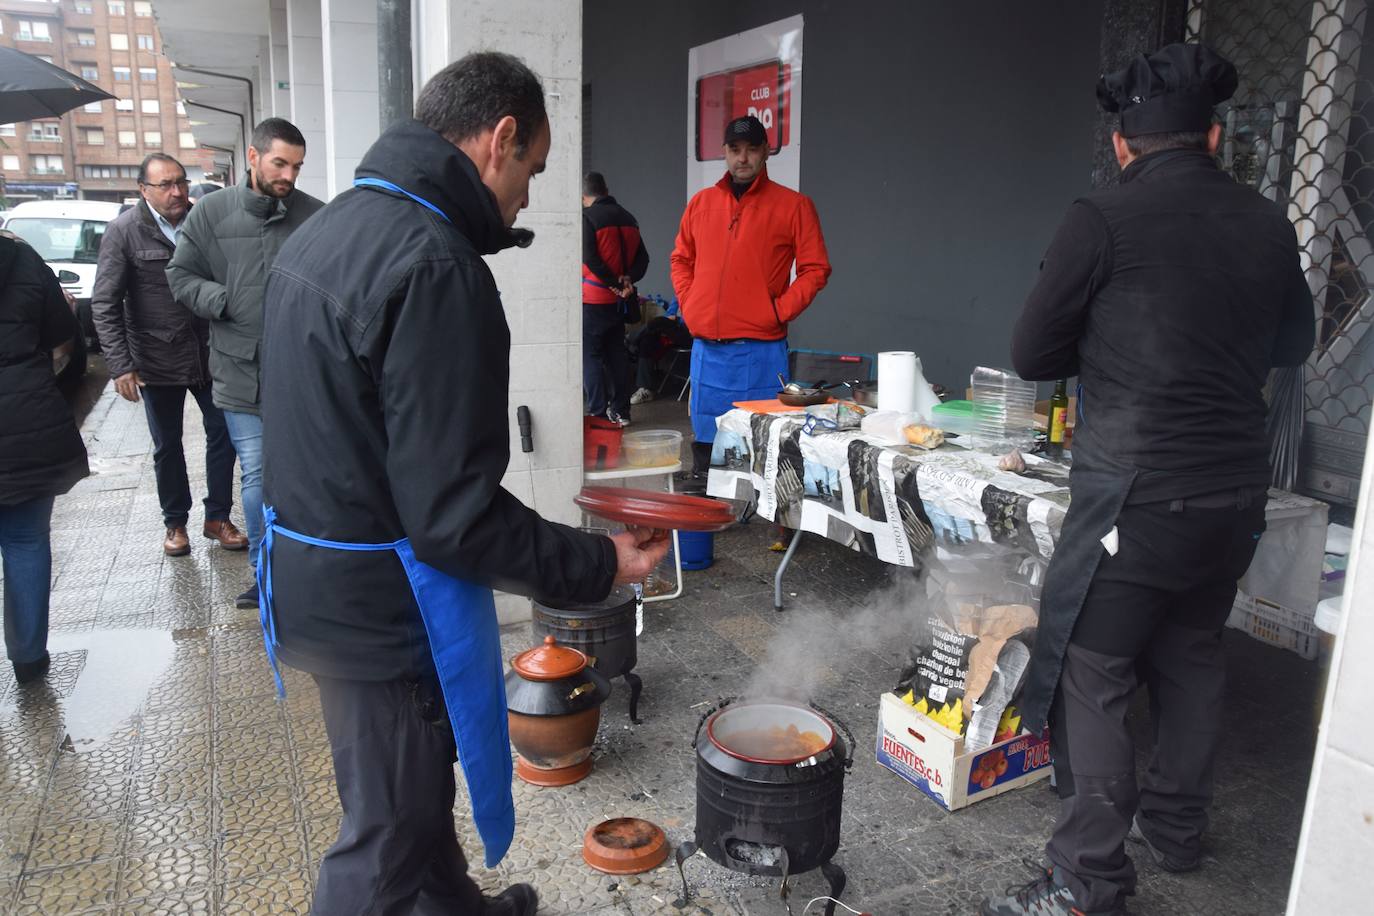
pixel 761 90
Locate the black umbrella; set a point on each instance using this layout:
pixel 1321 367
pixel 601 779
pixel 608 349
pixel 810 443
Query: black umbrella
pixel 31 88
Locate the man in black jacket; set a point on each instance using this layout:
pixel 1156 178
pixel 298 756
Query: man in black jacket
pixel 1170 298
pixel 614 259
pixel 157 349
pixel 385 369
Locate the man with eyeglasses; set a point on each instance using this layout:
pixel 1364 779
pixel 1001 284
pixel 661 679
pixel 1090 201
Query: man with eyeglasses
pixel 157 352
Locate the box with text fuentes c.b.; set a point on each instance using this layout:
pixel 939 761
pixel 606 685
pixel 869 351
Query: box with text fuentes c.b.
pixel 933 759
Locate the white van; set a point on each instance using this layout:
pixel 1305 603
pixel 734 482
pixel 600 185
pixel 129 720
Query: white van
pixel 67 234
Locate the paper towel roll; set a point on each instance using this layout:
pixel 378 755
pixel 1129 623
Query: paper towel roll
pixel 897 371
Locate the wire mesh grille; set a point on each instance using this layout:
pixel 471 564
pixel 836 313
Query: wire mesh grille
pixel 1300 130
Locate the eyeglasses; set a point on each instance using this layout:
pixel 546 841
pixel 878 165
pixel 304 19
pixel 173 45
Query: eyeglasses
pixel 167 185
pixel 813 423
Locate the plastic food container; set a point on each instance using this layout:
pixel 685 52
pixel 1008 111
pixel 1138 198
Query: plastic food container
pixel 652 448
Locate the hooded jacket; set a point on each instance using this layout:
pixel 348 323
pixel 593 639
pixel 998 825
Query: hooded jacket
pixel 227 245
pixel 386 366
pixel 732 261
pixel 41 452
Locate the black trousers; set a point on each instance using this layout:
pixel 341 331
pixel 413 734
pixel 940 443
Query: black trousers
pixel 606 377
pixel 397 851
pixel 163 405
pixel 1153 615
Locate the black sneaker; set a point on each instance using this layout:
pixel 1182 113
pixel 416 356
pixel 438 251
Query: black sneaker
pixel 617 418
pixel 27 672
pixel 516 900
pixel 1162 859
pixel 1042 896
pixel 248 599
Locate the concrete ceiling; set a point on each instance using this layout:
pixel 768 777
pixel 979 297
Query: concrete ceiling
pixel 219 35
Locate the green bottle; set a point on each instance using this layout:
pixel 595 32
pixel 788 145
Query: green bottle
pixel 1059 416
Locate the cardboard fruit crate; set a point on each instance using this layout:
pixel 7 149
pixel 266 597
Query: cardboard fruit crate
pixel 932 758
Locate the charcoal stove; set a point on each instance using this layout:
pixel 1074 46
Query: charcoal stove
pixel 606 631
pixel 770 812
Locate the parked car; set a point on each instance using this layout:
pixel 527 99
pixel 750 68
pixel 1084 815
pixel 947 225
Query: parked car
pixel 69 358
pixel 67 234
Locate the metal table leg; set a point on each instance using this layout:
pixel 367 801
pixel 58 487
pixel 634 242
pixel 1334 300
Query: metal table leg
pixel 677 562
pixel 782 568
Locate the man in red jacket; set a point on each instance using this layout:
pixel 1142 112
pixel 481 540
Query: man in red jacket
pixel 614 259
pixel 732 272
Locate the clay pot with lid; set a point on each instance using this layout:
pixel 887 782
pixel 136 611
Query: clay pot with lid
pixel 554 698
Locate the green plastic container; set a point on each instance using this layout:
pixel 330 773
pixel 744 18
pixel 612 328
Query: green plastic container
pixel 954 417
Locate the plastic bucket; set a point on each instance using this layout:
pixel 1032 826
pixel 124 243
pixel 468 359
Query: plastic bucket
pixel 697 547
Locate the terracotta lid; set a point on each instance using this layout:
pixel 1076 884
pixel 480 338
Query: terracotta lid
pixel 624 846
pixel 549 662
pixel 649 509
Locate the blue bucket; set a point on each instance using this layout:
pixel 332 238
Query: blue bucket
pixel 697 547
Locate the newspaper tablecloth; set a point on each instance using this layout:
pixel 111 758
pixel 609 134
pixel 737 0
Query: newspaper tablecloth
pixel 893 502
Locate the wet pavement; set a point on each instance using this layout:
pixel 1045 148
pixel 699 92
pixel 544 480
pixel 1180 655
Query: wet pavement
pixel 153 771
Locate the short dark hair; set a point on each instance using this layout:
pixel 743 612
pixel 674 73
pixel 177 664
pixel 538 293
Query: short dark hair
pixel 473 94
pixel 276 129
pixel 594 185
pixel 156 157
pixel 1145 144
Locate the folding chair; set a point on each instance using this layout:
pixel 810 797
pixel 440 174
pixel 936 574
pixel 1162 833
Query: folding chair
pixel 676 370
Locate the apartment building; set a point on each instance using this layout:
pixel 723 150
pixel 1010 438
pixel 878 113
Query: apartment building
pixel 94 152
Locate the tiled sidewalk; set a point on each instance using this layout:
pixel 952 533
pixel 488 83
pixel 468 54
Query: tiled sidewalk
pixel 154 772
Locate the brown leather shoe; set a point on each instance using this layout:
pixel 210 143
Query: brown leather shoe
pixel 229 537
pixel 176 543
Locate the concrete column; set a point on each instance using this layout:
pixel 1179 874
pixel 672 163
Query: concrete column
pixel 262 92
pixel 541 286
pixel 1337 839
pixel 395 61
pixel 306 55
pixel 277 93
pixel 350 86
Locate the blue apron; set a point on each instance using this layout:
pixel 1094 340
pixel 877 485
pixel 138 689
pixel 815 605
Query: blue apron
pixel 465 642
pixel 730 371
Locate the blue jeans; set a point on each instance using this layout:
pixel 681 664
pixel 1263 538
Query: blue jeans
pixel 26 549
pixel 245 429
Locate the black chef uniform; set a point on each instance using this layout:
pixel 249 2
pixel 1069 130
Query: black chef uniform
pixel 1169 297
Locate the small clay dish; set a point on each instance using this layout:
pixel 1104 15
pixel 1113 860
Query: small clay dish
pixel 624 846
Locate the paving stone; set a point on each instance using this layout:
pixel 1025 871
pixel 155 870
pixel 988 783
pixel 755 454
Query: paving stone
pixel 270 806
pixel 193 901
pixel 280 894
pixel 160 824
pixel 73 889
pixel 75 842
pixel 256 853
pixel 166 870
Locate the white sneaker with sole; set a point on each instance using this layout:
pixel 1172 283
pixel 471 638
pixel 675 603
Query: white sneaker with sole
pixel 642 395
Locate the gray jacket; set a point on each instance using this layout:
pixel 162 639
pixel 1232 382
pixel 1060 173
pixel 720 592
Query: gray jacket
pixel 219 271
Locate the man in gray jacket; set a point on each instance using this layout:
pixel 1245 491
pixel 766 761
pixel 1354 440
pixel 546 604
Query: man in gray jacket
pixel 156 352
pixel 219 271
